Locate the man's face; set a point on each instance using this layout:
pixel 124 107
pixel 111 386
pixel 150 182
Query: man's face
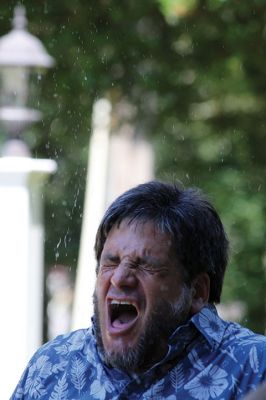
pixel 139 298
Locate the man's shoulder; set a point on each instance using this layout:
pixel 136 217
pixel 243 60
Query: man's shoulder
pixel 67 344
pixel 68 358
pixel 220 333
pixel 244 339
pixel 241 334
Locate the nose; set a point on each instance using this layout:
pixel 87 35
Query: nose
pixel 123 276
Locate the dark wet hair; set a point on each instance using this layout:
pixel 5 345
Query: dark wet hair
pixel 193 224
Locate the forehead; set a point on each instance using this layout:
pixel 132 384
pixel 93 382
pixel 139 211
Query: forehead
pixel 139 238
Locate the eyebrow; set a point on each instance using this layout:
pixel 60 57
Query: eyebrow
pixel 110 257
pixel 146 259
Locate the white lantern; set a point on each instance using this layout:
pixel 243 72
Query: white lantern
pixel 22 59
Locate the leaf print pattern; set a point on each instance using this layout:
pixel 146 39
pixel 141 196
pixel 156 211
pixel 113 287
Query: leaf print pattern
pixel 155 391
pixel 108 386
pixel 177 377
pixel 44 366
pixel 207 359
pixel 60 391
pixel 97 390
pixel 211 324
pixel 40 369
pixel 59 367
pixel 195 360
pixel 78 373
pixel 19 393
pixel 253 359
pixel 78 341
pixel 230 352
pixel 63 350
pixel 100 386
pixel 36 389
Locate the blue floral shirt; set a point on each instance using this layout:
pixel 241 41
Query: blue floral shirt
pixel 207 358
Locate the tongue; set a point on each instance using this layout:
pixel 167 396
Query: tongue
pixel 124 318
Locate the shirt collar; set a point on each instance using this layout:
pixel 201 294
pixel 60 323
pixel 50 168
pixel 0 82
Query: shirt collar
pixel 210 325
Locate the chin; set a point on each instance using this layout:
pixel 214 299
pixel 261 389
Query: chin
pixel 119 345
pixel 125 352
pixel 126 356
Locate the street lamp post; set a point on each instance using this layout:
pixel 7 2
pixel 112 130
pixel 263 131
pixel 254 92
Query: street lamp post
pixel 22 59
pixel 22 56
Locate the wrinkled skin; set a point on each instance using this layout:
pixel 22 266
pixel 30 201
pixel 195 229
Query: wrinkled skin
pixel 138 267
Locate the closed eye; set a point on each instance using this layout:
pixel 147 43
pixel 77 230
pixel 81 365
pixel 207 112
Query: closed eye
pixel 153 268
pixel 107 266
pixel 149 264
pixel 109 262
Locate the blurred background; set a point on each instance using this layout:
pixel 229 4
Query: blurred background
pixel 185 79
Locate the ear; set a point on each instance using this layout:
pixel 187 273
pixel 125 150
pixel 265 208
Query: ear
pixel 200 292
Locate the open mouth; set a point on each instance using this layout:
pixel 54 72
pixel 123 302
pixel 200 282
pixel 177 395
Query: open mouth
pixel 122 314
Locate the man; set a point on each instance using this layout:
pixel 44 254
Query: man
pixel 161 256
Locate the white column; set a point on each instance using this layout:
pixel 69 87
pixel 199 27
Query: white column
pixel 21 255
pixel 131 163
pixel 94 206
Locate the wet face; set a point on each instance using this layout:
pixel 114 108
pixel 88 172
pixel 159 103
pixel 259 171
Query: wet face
pixel 139 298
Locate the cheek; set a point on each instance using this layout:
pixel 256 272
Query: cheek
pixel 164 289
pixel 169 291
pixel 102 279
pixel 100 288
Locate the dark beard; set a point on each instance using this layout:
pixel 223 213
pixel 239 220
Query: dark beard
pixel 152 344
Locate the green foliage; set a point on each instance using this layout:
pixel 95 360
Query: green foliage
pixel 195 71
